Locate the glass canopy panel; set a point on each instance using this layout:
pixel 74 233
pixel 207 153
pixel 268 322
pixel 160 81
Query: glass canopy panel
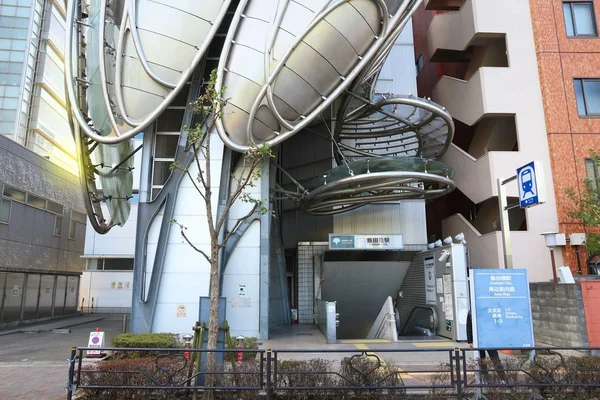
pixel 116 183
pixel 371 165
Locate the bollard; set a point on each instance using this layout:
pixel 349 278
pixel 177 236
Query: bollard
pixel 187 338
pixel 240 347
pixel 125 320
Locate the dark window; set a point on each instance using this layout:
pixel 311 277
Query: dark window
pixel 35 201
pixel 54 207
pixel 587 94
pixel 166 146
pixel 118 264
pixel 72 229
pixel 5 206
pixel 14 194
pixel 110 264
pixel 162 171
pixel 78 216
pixel 57 225
pixel 580 19
pixel 419 64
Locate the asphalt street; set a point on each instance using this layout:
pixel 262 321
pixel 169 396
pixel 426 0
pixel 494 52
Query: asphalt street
pixel 33 362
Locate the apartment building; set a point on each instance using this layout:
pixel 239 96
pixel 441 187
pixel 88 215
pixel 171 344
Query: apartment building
pixel 568 53
pixel 478 58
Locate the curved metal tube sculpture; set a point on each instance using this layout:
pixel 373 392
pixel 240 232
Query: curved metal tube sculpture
pixel 284 66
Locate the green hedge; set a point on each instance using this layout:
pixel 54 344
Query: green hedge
pixel 132 372
pixel 145 341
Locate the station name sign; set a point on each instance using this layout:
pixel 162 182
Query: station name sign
pixel 365 242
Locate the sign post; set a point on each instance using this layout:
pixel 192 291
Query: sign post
pixel 532 191
pixel 96 340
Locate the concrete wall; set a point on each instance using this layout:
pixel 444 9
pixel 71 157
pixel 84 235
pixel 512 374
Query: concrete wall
pixel 558 314
pixel 111 291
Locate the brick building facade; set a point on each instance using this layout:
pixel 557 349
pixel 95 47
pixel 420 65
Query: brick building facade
pixel 564 56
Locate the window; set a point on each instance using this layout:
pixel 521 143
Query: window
pixel 78 216
pixel 35 201
pixel 54 207
pixel 5 206
pixel 587 94
pixel 592 173
pixel 57 225
pixel 14 194
pixel 419 64
pixel 110 264
pixel 72 229
pixel 579 19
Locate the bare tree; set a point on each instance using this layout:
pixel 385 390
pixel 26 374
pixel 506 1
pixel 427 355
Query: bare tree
pixel 209 108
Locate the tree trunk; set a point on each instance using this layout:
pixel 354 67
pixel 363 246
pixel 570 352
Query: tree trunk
pixel 213 321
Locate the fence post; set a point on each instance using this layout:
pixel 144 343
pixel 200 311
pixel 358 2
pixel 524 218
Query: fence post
pixel 459 388
pixel 70 385
pixel 269 388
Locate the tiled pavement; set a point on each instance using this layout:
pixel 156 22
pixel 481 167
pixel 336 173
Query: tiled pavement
pixel 28 382
pixel 33 366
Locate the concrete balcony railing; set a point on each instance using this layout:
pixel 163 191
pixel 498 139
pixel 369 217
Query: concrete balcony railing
pixel 476 178
pixel 489 91
pixel 485 250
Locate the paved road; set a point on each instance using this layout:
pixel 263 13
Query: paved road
pixel 34 365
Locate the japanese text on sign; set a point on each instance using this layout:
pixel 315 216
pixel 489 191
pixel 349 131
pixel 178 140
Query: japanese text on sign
pixel 502 308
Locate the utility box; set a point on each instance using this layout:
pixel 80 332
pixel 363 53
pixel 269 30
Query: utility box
pixel 446 289
pixel 577 239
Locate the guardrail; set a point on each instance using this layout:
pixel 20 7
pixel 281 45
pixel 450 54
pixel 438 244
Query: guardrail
pixel 377 373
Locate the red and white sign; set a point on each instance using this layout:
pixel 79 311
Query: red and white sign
pixel 97 341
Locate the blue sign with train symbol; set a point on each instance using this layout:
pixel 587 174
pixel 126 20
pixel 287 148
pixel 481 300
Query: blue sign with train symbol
pixel 528 185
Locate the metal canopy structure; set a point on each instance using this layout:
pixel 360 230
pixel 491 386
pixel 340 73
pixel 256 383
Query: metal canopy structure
pixel 358 183
pixel 283 66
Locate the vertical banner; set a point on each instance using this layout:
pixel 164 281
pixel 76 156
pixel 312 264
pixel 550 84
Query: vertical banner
pixel 430 293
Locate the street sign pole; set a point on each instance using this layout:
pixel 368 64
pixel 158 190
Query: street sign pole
pixel 505 222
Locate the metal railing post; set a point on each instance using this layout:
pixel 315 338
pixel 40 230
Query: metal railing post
pixel 125 323
pixel 269 386
pixel 70 385
pixel 459 388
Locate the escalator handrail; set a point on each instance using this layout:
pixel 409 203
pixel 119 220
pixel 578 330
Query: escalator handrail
pixel 433 312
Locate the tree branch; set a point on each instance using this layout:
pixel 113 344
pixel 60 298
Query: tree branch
pixel 182 231
pixel 237 225
pixel 195 185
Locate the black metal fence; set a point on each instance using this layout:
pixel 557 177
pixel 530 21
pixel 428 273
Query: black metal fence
pixel 437 373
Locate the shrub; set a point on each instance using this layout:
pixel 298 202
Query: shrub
pixel 443 378
pixel 145 341
pixel 584 371
pixel 244 374
pixel 370 370
pixel 310 373
pixel 133 372
pixel 504 385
